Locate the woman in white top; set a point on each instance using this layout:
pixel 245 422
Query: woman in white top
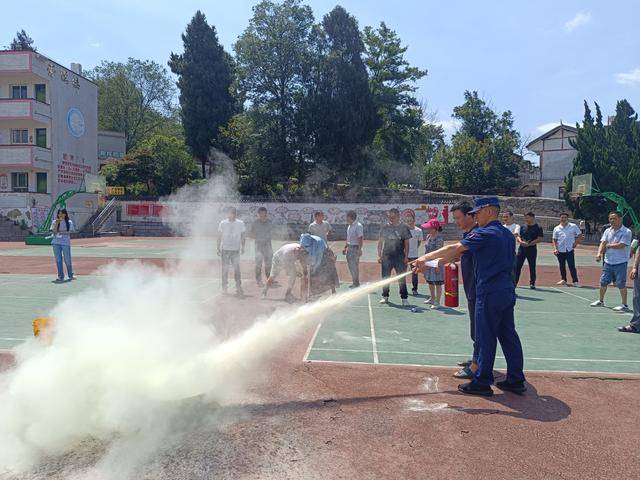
pixel 417 235
pixel 62 229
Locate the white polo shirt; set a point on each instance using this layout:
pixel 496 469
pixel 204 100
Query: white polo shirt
pixel 231 234
pixel 513 228
pixel 355 232
pixel 565 237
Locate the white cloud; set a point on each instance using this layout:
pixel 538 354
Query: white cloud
pixel 547 126
pixel 581 18
pixel 629 78
pixel 95 44
pixel 449 126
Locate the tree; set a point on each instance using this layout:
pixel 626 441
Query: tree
pixel 134 97
pixel 392 81
pixel 273 55
pixel 204 72
pixel 22 41
pixel 346 117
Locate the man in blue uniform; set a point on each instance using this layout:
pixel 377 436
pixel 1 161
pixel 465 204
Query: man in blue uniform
pixel 493 249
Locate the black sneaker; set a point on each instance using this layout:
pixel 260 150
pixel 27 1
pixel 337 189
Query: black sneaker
pixel 473 388
pixel 414 292
pixel 514 387
pixel 532 287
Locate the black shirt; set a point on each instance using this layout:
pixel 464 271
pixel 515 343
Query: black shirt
pixel 529 233
pixel 261 231
pixel 393 237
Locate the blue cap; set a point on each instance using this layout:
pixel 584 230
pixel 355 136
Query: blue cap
pixel 482 202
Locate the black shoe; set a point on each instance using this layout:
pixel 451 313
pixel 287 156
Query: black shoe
pixel 532 287
pixel 472 388
pixel 414 292
pixel 354 285
pixel 514 387
pixel 465 363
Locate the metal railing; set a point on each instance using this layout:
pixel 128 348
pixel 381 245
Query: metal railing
pixel 103 216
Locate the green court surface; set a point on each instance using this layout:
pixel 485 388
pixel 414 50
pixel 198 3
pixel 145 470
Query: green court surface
pixel 558 329
pixel 131 247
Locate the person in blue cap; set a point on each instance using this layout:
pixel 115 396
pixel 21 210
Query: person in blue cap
pixel 493 249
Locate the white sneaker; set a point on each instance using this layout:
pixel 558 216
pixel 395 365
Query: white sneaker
pixel 384 301
pixel 621 308
pixel 428 301
pixel 405 302
pixel 435 306
pixel 577 285
pixel 562 282
pixel 597 303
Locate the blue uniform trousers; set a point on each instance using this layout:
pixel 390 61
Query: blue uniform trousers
pixel 495 322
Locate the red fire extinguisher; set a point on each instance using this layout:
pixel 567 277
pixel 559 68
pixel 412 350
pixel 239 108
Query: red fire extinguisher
pixel 451 285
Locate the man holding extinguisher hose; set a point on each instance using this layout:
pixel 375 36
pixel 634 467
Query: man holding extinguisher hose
pixel 493 249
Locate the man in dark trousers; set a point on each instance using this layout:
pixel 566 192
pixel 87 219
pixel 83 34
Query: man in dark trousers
pixel 261 232
pixel 393 253
pixel 530 235
pixel 493 248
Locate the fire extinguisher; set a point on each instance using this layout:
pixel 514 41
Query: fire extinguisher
pixel 451 285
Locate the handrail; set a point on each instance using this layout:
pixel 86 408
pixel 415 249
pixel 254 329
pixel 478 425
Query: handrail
pixel 103 216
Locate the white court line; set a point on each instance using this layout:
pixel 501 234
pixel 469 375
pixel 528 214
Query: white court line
pixel 433 354
pixel 310 346
pixel 11 338
pixel 374 346
pixel 444 367
pixel 573 294
pixel 464 310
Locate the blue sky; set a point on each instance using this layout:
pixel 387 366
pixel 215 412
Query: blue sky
pixel 540 59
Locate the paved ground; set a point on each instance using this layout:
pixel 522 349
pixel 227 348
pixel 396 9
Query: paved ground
pixel 324 418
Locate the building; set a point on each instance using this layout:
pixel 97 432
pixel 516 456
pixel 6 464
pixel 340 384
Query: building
pixel 48 136
pixel 529 179
pixel 112 146
pixel 556 159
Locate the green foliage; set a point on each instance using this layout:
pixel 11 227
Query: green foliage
pixel 481 158
pixel 135 98
pixel 204 72
pixel 22 41
pixel 612 154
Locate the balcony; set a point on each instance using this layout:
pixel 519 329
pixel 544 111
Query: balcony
pixel 25 156
pixel 24 109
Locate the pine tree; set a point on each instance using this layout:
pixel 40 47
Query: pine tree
pixel 22 42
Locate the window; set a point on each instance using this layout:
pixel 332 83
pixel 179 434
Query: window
pixel 41 92
pixel 561 192
pixel 19 182
pixel 41 137
pixel 41 182
pixel 20 136
pixel 19 91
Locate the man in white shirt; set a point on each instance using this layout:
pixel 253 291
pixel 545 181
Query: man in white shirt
pixel 230 245
pixel 353 247
pixel 417 236
pixel 566 237
pixel 615 245
pixel 319 227
pixel 514 228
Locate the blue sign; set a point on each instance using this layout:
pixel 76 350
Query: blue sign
pixel 75 122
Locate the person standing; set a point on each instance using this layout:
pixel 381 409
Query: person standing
pixel 353 247
pixel 62 229
pixel 466 222
pixel 566 237
pixel 634 324
pixel 319 227
pixel 231 241
pixel 434 276
pixel 615 246
pixel 493 249
pixel 530 235
pixel 514 228
pixel 261 231
pixel 417 235
pixel 393 253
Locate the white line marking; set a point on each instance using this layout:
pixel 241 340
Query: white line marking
pixel 443 367
pixel 310 346
pixel 12 338
pixel 374 346
pixel 433 354
pixel 573 295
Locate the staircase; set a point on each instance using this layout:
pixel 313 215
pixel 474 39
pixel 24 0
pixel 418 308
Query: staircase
pixel 10 232
pixel 102 222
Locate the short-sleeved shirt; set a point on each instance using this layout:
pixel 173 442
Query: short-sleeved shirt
pixel 416 236
pixel 355 232
pixel 529 233
pixel 320 230
pixel 231 234
pixel 616 256
pixel 493 249
pixel 393 237
pixel 468 273
pixel 565 237
pixel 261 231
pixel 285 259
pixel 514 228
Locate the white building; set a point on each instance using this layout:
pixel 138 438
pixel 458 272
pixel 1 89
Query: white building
pixel 48 135
pixel 556 159
pixel 112 146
